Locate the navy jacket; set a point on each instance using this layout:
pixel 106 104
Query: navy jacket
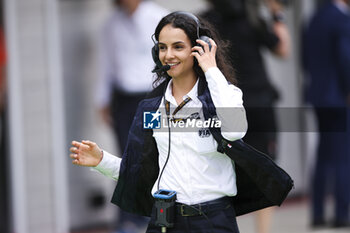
pixel 139 167
pixel 327 57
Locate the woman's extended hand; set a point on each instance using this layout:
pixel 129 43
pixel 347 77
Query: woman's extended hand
pixel 205 57
pixel 85 153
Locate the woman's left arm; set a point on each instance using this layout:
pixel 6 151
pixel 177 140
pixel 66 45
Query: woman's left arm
pixel 227 98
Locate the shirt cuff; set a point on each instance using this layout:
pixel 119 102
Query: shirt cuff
pixel 109 165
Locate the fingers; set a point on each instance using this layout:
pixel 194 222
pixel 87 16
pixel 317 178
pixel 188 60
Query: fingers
pixel 205 47
pixel 196 55
pixel 75 159
pixel 76 144
pixel 76 162
pixel 206 57
pixel 83 142
pixel 198 49
pixel 75 151
pixel 83 153
pixel 73 156
pixel 88 143
pixel 204 44
pixel 213 45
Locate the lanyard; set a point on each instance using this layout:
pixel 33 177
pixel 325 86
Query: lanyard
pixel 181 105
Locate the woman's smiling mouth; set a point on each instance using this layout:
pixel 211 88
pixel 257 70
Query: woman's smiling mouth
pixel 173 64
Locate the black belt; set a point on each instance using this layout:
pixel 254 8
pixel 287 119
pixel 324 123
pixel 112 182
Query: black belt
pixel 203 208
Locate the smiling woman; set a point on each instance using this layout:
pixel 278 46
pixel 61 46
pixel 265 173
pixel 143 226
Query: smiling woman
pixel 199 82
pixel 175 50
pixel 188 29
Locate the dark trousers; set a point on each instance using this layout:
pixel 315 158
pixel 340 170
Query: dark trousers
pixel 332 164
pixel 218 221
pixel 123 109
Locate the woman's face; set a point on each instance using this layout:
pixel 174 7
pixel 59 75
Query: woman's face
pixel 175 50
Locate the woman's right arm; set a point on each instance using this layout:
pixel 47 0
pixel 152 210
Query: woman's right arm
pixel 88 154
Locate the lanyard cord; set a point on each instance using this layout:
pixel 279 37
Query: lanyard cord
pixel 167 110
pixel 181 105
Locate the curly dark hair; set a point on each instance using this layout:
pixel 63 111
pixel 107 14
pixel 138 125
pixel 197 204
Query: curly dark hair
pixel 186 22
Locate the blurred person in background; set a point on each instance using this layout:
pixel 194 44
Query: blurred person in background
pixel 240 22
pixel 327 65
pixel 126 77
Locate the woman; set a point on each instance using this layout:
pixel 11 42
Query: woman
pixel 188 162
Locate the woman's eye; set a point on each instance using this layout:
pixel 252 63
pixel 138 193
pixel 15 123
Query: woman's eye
pixel 162 48
pixel 178 47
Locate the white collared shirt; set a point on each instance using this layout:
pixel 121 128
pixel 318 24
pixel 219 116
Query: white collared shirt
pixel 125 51
pixel 195 170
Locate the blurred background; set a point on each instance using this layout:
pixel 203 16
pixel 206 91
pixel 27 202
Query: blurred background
pixel 50 74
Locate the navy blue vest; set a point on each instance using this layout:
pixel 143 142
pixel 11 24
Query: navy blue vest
pixel 139 167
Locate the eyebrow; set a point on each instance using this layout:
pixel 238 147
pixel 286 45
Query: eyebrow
pixel 175 43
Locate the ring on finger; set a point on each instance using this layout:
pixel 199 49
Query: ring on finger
pixel 201 53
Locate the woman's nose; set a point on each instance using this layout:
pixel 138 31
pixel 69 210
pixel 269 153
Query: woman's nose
pixel 169 54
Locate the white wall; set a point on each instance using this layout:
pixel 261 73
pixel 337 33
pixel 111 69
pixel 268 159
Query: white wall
pixel 36 117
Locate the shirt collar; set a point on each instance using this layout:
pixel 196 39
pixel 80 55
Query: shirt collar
pixel 193 93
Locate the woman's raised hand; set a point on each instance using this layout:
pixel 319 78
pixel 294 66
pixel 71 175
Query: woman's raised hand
pixel 205 56
pixel 85 153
